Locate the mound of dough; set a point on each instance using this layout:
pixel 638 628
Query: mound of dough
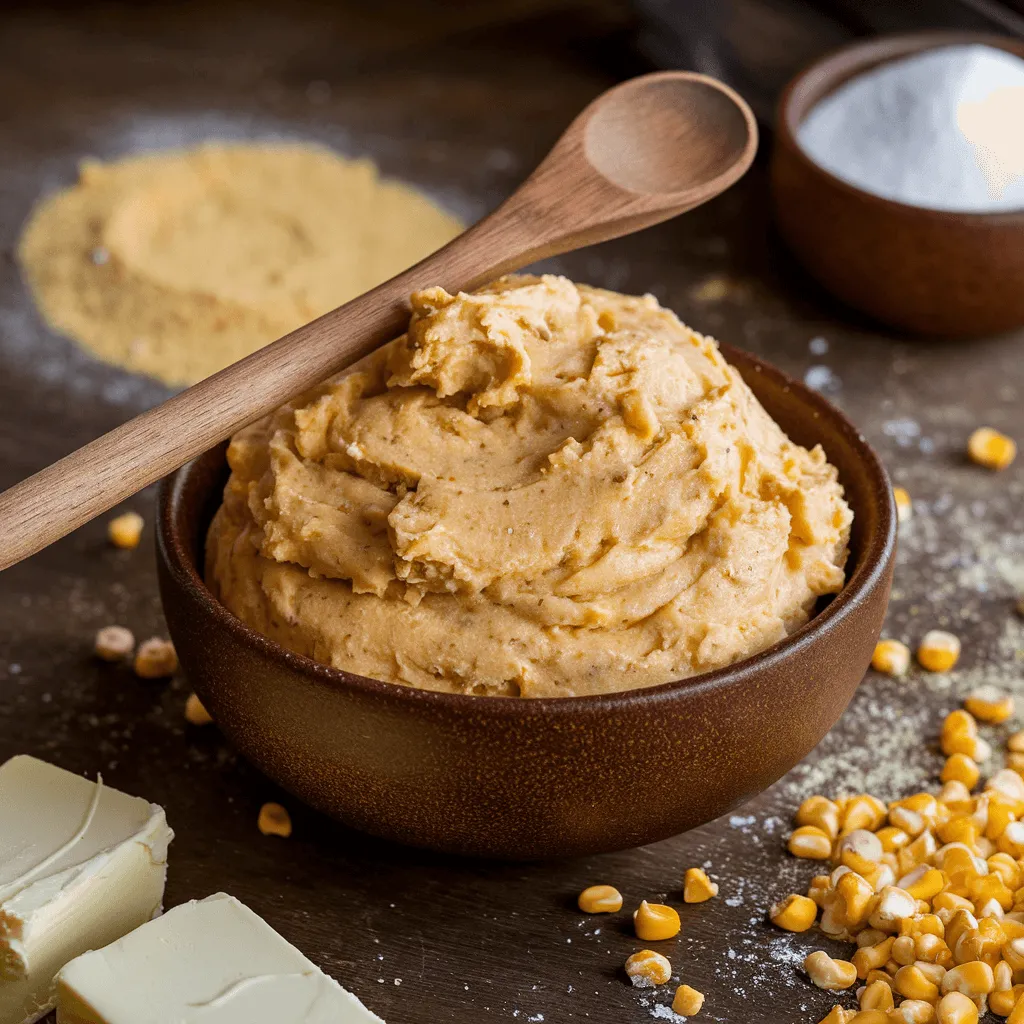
pixel 543 489
pixel 176 264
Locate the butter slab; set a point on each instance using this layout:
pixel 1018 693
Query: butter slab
pixel 211 961
pixel 80 865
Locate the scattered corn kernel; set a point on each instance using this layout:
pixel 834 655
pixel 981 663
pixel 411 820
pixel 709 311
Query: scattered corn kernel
pixel 938 650
pixel 125 531
pixel 991 449
pixel 155 659
pixel 956 1008
pixel 973 979
pixel 960 768
pixel 654 922
pixel 1017 1013
pixel 912 983
pixel 113 643
pixel 831 975
pixel 989 705
pixel 647 969
pixel 274 820
pixel 913 1011
pixel 195 711
pixel 697 888
pixel 795 913
pixel 891 657
pixel 687 1001
pixel 810 843
pixel 876 996
pixel 822 813
pixel 904 506
pixel 600 899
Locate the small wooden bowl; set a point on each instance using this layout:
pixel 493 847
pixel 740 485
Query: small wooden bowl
pixel 529 779
pixel 924 271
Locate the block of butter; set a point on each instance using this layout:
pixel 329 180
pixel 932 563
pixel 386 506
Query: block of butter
pixel 210 961
pixel 80 865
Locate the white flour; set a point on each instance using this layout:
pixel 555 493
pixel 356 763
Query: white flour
pixel 942 130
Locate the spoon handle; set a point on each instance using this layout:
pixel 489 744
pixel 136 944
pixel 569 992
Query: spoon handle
pixel 53 502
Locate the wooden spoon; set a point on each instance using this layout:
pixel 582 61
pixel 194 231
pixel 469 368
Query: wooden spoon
pixel 641 153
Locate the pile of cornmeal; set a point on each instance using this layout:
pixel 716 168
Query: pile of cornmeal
pixel 542 489
pixel 177 263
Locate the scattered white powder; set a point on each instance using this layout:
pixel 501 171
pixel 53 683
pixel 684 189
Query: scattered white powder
pixel 662 1012
pixel 942 130
pixel 821 378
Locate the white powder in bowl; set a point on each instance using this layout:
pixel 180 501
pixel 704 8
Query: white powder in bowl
pixel 942 130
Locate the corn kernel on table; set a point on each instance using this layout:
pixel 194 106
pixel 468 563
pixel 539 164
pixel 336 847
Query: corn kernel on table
pixel 462 104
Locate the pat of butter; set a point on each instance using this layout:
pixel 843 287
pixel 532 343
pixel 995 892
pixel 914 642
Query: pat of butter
pixel 211 961
pixel 80 866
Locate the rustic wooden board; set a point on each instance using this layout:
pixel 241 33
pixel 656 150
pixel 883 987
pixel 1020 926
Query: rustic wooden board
pixel 463 104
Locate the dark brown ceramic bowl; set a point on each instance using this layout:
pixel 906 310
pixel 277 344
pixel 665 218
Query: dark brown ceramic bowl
pixel 528 779
pixel 924 271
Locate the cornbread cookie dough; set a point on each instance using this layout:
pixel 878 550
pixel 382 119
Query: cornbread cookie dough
pixel 176 264
pixel 543 489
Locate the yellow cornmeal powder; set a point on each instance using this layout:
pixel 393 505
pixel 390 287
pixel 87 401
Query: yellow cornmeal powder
pixel 177 263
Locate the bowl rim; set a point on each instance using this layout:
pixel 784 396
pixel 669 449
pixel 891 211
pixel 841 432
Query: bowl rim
pixel 825 74
pixel 868 575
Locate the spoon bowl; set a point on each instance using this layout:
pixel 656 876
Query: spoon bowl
pixel 669 134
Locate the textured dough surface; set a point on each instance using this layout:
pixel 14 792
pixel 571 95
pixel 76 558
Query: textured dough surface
pixel 542 489
pixel 177 263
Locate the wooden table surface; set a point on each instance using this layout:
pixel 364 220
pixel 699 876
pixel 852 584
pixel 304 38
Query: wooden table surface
pixel 462 103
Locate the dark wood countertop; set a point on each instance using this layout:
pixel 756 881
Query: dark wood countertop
pixel 446 97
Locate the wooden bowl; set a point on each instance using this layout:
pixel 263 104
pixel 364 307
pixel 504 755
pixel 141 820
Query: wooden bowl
pixel 528 779
pixel 924 271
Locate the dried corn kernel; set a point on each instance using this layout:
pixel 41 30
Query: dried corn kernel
pixel 125 531
pixel 960 768
pixel 113 643
pixel 913 1011
pixel 1002 1001
pixel 600 899
pixel 863 811
pixel 956 1008
pixel 195 711
pixel 274 820
pixel 990 705
pixel 795 913
pixel 687 1001
pixel 647 969
pixel 904 506
pixel 1016 742
pixel 810 843
pixel 697 888
pixel 973 979
pixel 876 996
pixel 654 922
pixel 1017 1013
pixel 820 812
pixel 904 950
pixel 912 983
pixel 991 449
pixel 870 1017
pixel 891 657
pixel 829 974
pixel 923 883
pixel 938 650
pixel 155 659
pixel 873 957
